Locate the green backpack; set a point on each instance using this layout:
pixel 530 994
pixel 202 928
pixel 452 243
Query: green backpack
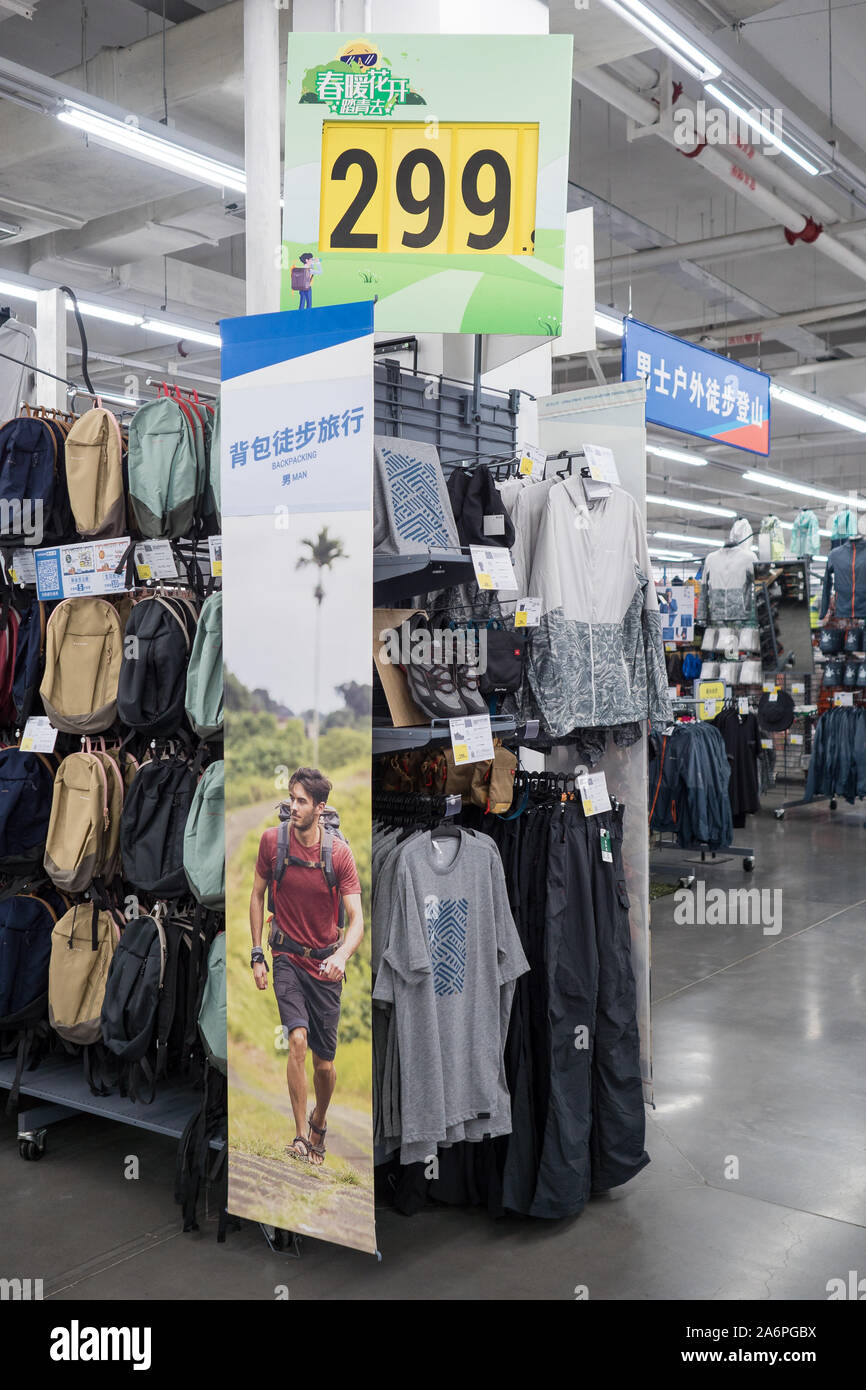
pixel 204 856
pixel 212 1014
pixel 204 677
pixel 215 458
pixel 165 479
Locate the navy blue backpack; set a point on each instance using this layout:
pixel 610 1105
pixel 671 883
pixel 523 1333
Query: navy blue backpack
pixel 32 471
pixel 26 922
pixel 26 791
pixel 29 659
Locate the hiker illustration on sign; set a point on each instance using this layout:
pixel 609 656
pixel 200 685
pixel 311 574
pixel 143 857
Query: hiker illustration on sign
pixel 303 271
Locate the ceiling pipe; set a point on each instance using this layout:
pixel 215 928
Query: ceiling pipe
pixel 797 224
pixel 768 326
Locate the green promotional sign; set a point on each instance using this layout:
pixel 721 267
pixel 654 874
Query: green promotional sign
pixel 429 171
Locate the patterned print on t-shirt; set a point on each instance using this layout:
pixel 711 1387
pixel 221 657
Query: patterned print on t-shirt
pixel 446 929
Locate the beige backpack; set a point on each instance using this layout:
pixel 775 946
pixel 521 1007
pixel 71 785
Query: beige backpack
pixel 83 839
pixel 83 655
pixel 82 945
pixel 94 474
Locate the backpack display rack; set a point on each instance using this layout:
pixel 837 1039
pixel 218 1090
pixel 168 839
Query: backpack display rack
pixel 112 941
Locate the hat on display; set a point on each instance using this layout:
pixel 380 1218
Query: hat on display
pixel 854 639
pixel 751 673
pixel 776 711
pixel 830 640
pixel 833 670
pixel 709 642
pixel 749 639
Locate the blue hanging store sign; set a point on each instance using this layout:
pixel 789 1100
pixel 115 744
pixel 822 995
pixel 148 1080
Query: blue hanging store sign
pixel 696 391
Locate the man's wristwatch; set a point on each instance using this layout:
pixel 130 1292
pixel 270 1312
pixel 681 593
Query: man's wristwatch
pixel 257 957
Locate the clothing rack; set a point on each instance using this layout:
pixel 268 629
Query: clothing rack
pixel 415 808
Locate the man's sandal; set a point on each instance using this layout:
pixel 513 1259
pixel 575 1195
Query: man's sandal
pixel 318 1149
pixel 302 1155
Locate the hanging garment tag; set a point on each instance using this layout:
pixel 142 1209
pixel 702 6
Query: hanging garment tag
pixel 494 524
pixel 528 612
pixel 796 739
pixel 767 743
pixel 843 697
pixel 798 688
pixel 769 687
pixel 471 738
pixel 593 793
pixel 606 851
pixel 532 461
pixel 709 709
pixel 38 736
pixel 493 567
pixel 743 704
pixel 215 547
pixel 774 697
pixel 23 567
pixel 155 560
pixel 602 464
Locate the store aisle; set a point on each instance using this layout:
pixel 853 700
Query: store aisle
pixel 758 1059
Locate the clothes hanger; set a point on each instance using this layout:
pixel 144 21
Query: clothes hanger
pixel 5 315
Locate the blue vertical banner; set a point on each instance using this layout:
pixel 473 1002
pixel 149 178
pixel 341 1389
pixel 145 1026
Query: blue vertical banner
pixel 696 391
pixel 296 472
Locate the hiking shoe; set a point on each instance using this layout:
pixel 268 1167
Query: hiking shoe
pixel 467 679
pixel 432 684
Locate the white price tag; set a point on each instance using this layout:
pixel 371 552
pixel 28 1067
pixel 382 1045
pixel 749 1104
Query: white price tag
pixel 528 613
pixel 774 697
pixel 532 462
pixel 23 568
pixel 471 738
pixel 843 697
pixel 215 547
pixel 493 567
pixel 798 688
pixel 155 560
pixel 593 793
pixel 602 464
pixel 494 524
pixel 767 743
pixel 710 708
pixel 743 704
pixel 38 736
pixel 796 739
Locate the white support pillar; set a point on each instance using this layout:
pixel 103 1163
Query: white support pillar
pixel 262 154
pixel 51 349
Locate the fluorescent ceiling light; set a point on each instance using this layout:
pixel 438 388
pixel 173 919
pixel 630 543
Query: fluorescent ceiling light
pixel 665 37
pixel 17 291
pixel 179 330
pixel 751 120
pixel 141 144
pixel 785 396
pixel 691 506
pixel 786 485
pixel 101 311
pixel 678 455
pixel 691 540
pixel 672 554
pixel 608 323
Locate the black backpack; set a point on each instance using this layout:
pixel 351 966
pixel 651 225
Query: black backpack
pixel 145 979
pixel 151 828
pixel 27 919
pixel 26 791
pixel 330 823
pixel 157 641
pixel 29 659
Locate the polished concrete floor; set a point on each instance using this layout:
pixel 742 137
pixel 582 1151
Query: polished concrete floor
pixel 757 1186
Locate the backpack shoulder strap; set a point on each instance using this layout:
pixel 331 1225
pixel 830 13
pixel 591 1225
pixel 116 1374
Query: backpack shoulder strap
pixel 328 857
pixel 281 857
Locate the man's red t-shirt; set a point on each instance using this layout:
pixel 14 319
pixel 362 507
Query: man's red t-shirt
pixel 304 906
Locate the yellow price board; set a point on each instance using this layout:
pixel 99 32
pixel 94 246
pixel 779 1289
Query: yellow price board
pixel 447 189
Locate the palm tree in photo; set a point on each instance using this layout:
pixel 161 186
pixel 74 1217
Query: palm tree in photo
pixel 323 551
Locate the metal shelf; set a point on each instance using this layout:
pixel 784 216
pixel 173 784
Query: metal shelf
pixel 389 740
pixel 397 577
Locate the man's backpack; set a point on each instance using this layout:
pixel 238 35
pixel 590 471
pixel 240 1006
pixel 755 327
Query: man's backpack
pixel 32 475
pixel 204 677
pixel 302 277
pixel 152 826
pixel 83 654
pixel 29 659
pixel 165 483
pixel 26 791
pixel 83 943
pixel 94 475
pixel 329 821
pixel 204 859
pixel 26 923
pixel 83 838
pixel 157 642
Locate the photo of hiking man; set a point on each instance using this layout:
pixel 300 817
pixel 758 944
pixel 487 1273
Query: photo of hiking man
pixel 314 895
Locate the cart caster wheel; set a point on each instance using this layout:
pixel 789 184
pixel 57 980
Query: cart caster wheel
pixel 833 803
pixel 780 815
pixel 748 864
pixel 29 1149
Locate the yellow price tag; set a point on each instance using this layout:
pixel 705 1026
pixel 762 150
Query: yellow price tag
pixel 520 618
pixel 12 575
pixel 461 753
pixel 144 571
pixel 390 186
pixel 588 809
pixel 484 580
pixel 26 744
pixel 217 569
pixel 526 466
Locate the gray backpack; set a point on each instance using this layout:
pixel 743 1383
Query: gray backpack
pixel 204 677
pixel 166 477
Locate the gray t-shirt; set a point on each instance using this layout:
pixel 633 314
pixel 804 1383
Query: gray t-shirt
pixel 449 967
